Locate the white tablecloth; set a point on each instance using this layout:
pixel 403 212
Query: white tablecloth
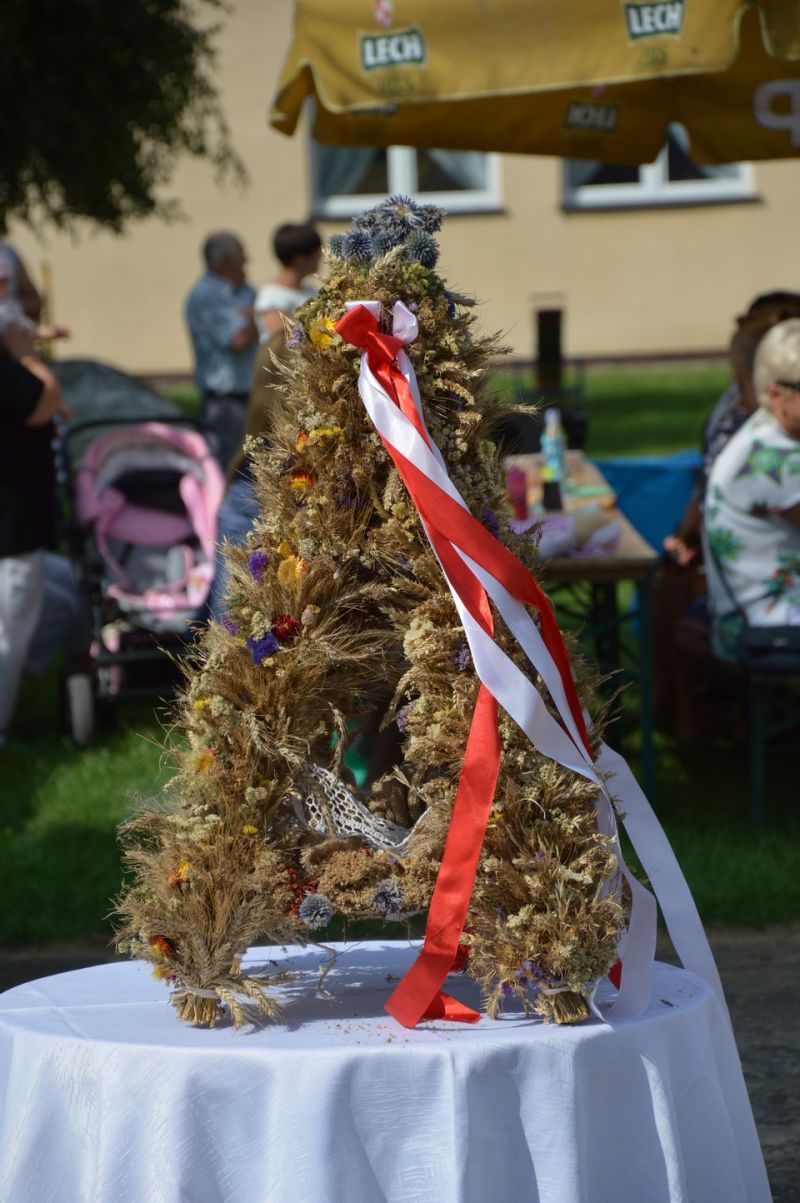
pixel 108 1098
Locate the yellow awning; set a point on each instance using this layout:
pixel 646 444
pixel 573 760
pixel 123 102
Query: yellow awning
pixel 597 79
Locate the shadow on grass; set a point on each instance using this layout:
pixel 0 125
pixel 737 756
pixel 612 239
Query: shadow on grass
pixel 59 810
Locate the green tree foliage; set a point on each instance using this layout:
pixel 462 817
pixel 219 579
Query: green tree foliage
pixel 99 99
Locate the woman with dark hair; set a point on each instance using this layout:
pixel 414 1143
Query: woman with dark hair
pixel 298 249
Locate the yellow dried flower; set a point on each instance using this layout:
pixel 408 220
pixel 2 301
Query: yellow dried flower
pixel 322 333
pixel 325 432
pixel 285 549
pixel 201 703
pixel 291 571
pixel 249 829
pixel 204 760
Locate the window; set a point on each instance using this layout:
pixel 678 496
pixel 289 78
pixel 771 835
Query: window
pixel 349 179
pixel 673 179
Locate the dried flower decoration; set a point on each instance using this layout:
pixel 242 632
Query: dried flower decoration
pixel 310 616
pixel 230 626
pixel 357 245
pixel 389 899
pixel 315 911
pixel 301 482
pixel 163 947
pixel 179 875
pixel 292 570
pixel 322 333
pixel 284 626
pixel 263 647
pixel 421 248
pixel 204 760
pixel 324 432
pixel 463 658
pixel 257 562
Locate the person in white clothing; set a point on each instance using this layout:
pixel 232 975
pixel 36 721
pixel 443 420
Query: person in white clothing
pixel 298 249
pixel 751 537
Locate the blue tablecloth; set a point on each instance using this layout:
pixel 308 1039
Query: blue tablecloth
pixel 652 490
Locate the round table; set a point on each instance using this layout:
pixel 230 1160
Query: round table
pixel 109 1098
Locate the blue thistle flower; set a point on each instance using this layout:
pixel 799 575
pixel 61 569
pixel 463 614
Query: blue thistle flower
pixel 257 563
pixel 261 649
pixel 357 245
pixel 389 899
pixel 384 240
pixel 315 910
pixel 369 220
pixel 335 245
pixel 421 247
pixel 431 217
pixel 400 210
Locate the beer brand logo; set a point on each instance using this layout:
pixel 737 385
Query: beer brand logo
pixel 396 49
pixel 654 20
pixel 589 115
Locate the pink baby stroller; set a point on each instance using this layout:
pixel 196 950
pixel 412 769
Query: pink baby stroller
pixel 144 501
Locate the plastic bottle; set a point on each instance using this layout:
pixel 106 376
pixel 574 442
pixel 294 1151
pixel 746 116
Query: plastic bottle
pixel 553 460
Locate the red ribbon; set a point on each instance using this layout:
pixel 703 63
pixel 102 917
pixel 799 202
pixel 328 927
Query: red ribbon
pixel 448 526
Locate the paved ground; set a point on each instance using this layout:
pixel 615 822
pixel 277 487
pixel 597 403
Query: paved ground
pixel 761 974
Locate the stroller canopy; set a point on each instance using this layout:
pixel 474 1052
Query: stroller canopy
pixel 150 494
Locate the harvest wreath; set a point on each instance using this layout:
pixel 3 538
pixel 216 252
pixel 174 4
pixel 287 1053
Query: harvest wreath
pixel 381 584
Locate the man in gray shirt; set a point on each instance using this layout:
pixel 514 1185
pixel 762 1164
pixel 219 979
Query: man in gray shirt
pixel 219 314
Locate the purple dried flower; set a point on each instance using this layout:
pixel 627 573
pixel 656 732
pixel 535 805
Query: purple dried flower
pixel 296 336
pixel 229 625
pixel 463 658
pixel 506 988
pixel 261 649
pixel 403 716
pixel 257 563
pixel 489 520
pixel 451 305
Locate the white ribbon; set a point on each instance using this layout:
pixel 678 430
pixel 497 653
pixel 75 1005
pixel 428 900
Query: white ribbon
pixel 519 697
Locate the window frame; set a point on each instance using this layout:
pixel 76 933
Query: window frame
pixel 402 174
pixel 656 190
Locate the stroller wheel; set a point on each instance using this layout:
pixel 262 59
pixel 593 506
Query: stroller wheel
pixel 80 708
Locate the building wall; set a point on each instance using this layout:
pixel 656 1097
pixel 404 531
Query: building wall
pixel 629 281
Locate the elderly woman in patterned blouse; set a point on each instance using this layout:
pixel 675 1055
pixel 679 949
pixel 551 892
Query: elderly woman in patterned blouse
pixel 751 539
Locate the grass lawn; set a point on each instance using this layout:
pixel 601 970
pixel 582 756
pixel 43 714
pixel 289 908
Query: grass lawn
pixel 59 807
